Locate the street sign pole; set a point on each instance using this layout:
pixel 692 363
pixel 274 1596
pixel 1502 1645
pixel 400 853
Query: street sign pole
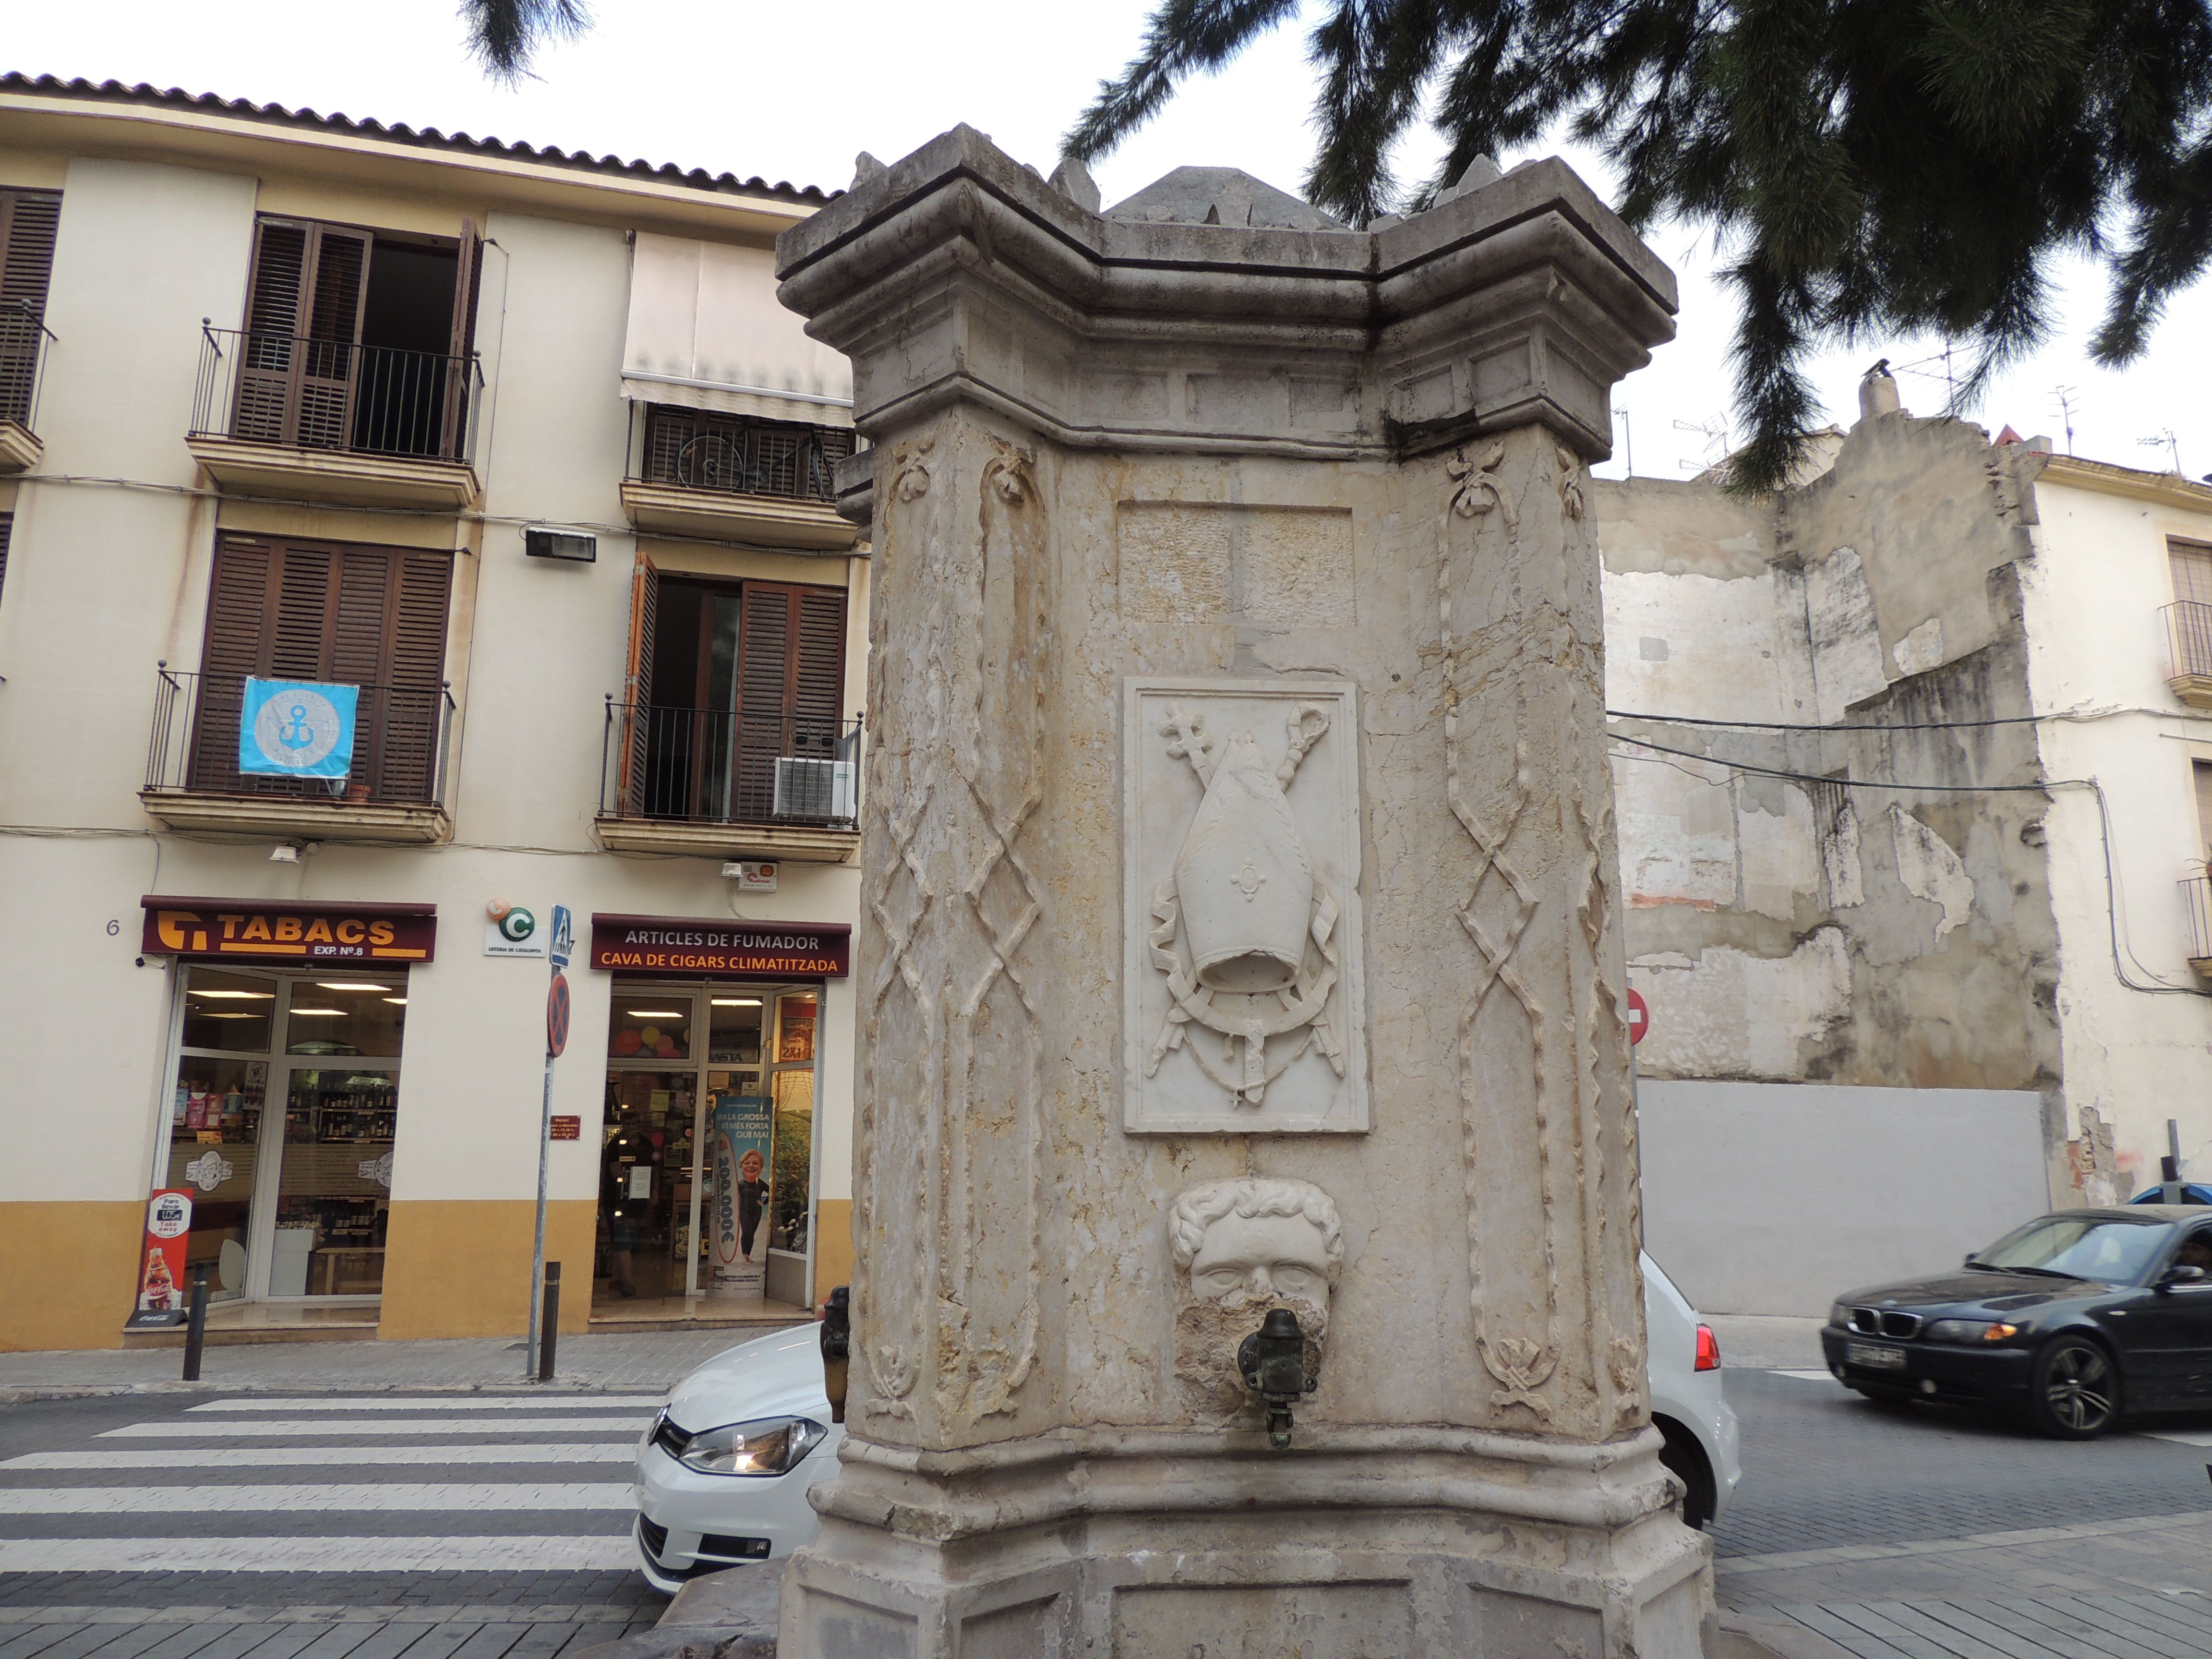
pixel 557 1038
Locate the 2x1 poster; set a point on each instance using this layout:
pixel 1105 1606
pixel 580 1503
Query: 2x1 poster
pixel 736 1230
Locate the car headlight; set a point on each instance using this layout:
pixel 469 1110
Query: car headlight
pixel 772 1446
pixel 1840 1313
pixel 1970 1330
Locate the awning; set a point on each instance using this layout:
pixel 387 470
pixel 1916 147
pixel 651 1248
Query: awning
pixel 706 333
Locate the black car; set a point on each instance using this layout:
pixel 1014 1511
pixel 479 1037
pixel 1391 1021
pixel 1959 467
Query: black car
pixel 2067 1323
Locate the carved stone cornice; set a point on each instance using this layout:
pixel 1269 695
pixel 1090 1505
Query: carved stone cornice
pixel 1519 300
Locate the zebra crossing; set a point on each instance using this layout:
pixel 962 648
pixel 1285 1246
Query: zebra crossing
pixel 156 1528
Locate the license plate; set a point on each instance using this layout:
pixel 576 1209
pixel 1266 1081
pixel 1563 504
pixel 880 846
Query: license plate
pixel 1865 1353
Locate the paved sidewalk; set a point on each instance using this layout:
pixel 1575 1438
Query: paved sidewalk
pixel 2138 1589
pixel 652 1360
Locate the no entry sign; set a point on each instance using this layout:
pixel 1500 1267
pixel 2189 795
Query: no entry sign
pixel 1640 1019
pixel 557 1016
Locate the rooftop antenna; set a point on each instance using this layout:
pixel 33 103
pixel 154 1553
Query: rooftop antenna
pixel 1947 374
pixel 2066 396
pixel 1628 437
pixel 2165 441
pixel 1714 432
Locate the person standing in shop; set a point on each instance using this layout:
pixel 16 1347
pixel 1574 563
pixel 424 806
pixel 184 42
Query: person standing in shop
pixel 626 1150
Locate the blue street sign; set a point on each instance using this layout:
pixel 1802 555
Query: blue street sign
pixel 564 936
pixel 294 728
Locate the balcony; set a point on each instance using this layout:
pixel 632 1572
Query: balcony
pixel 23 340
pixel 2189 651
pixel 303 419
pixel 725 478
pixel 396 792
pixel 714 783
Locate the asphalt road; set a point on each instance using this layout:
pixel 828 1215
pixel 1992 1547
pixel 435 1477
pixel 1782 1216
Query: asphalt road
pixel 494 1525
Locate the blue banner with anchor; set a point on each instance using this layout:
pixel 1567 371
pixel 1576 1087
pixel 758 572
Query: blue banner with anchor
pixel 294 728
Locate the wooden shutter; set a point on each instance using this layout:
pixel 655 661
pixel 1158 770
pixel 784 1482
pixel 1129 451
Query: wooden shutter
pixel 460 349
pixel 765 632
pixel 2192 570
pixel 415 705
pixel 370 617
pixel 818 671
pixel 238 623
pixel 28 220
pixel 790 685
pixel 637 685
pixel 299 364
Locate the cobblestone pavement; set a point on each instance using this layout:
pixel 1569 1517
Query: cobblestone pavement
pixel 1927 1533
pixel 650 1360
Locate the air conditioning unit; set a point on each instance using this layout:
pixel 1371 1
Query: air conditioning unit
pixel 817 789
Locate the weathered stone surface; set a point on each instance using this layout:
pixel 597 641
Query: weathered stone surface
pixel 1324 493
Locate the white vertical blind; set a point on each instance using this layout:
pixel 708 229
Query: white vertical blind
pixel 706 331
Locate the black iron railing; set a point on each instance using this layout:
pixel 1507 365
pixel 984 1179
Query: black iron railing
pixel 2196 906
pixel 2188 639
pixel 24 336
pixel 737 455
pixel 719 766
pixel 306 393
pixel 399 746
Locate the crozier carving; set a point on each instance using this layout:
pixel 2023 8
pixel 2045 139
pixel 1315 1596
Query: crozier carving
pixel 1245 1248
pixel 1244 983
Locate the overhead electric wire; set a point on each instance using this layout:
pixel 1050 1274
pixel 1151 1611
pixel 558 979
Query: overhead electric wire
pixel 2121 955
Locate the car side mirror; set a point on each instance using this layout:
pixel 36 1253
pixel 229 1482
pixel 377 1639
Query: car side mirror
pixel 2180 1273
pixel 1971 1257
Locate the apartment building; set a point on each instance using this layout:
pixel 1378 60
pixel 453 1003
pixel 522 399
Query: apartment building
pixel 402 536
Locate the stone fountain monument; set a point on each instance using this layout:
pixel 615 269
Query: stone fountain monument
pixel 1241 985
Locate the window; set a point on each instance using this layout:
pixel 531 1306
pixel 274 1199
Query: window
pixel 370 617
pixel 28 220
pixel 356 339
pixel 737 702
pixel 7 525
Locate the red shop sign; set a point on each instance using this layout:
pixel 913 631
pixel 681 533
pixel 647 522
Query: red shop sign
pixel 253 930
pixel 718 950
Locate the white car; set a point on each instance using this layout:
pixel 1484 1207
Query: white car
pixel 723 1472
pixel 1686 1407
pixel 733 1488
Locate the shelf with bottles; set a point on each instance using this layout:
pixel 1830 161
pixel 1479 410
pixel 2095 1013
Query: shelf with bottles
pixel 338 1223
pixel 357 1110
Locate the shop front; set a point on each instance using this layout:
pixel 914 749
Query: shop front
pixel 709 1159
pixel 280 1096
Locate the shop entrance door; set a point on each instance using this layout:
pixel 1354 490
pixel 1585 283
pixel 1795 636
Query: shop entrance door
pixel 284 1099
pixel 793 1070
pixel 677 1056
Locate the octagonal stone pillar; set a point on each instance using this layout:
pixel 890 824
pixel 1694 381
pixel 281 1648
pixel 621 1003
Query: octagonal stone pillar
pixel 1240 931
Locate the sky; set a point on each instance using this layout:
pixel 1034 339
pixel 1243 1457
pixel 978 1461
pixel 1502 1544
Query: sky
pixel 793 92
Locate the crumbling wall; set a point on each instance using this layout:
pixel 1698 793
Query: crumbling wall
pixel 1789 929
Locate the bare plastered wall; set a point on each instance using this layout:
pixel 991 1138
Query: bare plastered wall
pixel 1784 925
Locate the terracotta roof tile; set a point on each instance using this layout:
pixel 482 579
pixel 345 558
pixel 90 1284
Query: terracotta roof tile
pixel 399 133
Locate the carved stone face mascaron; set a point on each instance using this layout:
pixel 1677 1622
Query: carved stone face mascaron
pixel 1262 1256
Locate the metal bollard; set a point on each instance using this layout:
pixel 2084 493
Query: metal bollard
pixel 549 1323
pixel 196 1323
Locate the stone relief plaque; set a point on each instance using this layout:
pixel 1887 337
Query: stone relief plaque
pixel 1241 1002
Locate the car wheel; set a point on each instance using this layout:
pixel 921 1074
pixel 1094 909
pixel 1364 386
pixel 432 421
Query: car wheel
pixel 2073 1392
pixel 1683 1458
